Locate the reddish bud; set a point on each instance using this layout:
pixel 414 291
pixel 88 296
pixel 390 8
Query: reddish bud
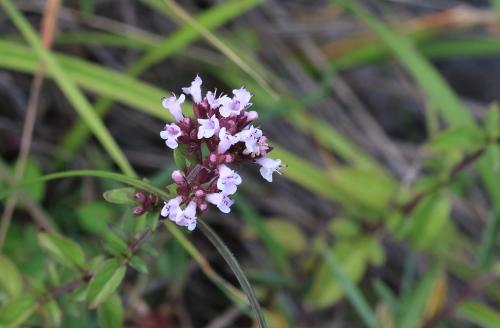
pixel 140 197
pixel 251 116
pixel 178 177
pixel 138 210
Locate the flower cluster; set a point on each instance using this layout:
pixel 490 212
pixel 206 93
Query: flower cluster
pixel 220 134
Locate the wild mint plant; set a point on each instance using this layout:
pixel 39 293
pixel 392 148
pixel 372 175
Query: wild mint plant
pixel 219 136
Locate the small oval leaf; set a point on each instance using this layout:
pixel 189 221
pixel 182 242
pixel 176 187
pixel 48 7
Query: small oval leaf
pixel 115 245
pixel 105 282
pixel 17 311
pixel 121 196
pixel 62 249
pixel 110 313
pixel 138 264
pixel 10 278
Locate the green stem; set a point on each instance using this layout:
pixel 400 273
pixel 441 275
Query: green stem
pixel 235 267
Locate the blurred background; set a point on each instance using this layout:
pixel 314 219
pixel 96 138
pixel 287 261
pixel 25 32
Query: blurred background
pixel 384 111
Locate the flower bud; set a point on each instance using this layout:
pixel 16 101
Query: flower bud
pixel 140 197
pixel 138 210
pixel 213 158
pixel 229 158
pixel 178 177
pixel 199 193
pixel 203 207
pixel 251 116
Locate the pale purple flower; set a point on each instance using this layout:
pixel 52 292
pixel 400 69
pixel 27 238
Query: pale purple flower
pixel 230 107
pixel 173 104
pixel 187 217
pixel 214 101
pixel 208 127
pixel 170 134
pixel 260 148
pixel 250 136
pixel 243 97
pixel 268 167
pixel 221 200
pixel 194 90
pixel 226 140
pixel 228 180
pixel 233 106
pixel 171 208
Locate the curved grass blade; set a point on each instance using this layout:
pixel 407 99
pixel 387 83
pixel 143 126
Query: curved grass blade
pixel 235 267
pixel 68 87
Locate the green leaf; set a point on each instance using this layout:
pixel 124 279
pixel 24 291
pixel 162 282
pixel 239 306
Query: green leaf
pixel 352 292
pixel 104 283
pixel 344 228
pixel 326 288
pixel 116 245
pixel 138 264
pixel 121 196
pixel 369 189
pixel 375 253
pixel 479 314
pixel 428 220
pixel 10 279
pixel 412 308
pixel 492 122
pixel 459 138
pixel 17 311
pixel 110 314
pixel 64 250
pixel 287 234
pixel 94 217
pixel 54 314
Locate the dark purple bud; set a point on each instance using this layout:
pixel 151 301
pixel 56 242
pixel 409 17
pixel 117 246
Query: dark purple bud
pixel 138 210
pixel 140 197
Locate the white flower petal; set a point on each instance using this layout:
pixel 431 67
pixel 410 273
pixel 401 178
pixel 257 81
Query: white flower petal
pixel 194 90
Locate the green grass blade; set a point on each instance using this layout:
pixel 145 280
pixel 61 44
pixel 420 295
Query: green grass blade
pixel 437 90
pixel 351 291
pixel 73 94
pixel 235 267
pixel 479 314
pixel 410 312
